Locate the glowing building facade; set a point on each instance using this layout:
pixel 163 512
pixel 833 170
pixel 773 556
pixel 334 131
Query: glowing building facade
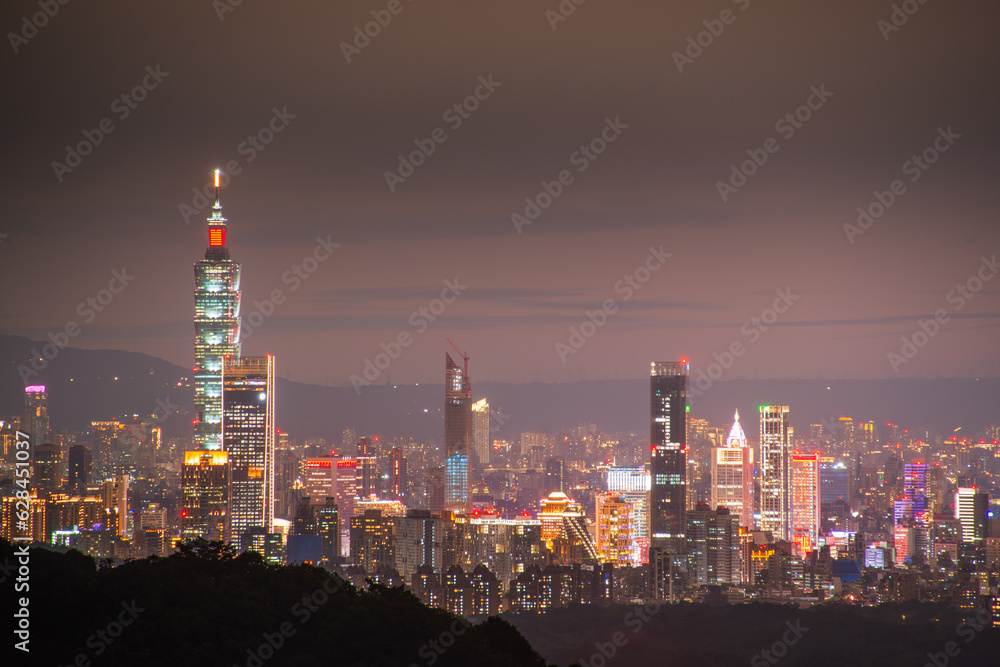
pixel 481 444
pixel 775 504
pixel 457 434
pixel 216 327
pixel 248 437
pixel 613 528
pixel 805 501
pixel 732 476
pixel 668 455
pixel 205 487
pixel 632 484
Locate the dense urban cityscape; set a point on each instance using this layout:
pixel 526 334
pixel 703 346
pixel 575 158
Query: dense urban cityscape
pixel 857 511
pixel 558 333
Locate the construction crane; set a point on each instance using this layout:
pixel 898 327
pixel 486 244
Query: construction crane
pixel 465 357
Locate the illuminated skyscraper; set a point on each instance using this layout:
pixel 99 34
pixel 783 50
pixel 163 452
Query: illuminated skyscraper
pixel 668 455
pixel 481 422
pixel 613 523
pixel 732 476
pixel 775 504
pixel 319 479
pixel 205 485
pixel 457 433
pixel 805 500
pixel 632 484
pixel 35 417
pixel 971 507
pixel 216 327
pixel 915 490
pixel 248 437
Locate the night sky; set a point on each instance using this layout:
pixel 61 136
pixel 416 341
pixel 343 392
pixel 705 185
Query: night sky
pixel 879 95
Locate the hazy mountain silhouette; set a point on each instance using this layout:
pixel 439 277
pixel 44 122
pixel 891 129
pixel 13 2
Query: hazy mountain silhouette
pixel 82 387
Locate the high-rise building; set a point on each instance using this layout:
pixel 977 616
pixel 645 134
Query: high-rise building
pixel 457 433
pixel 367 471
pixel 46 477
pixel 319 478
pixel 80 464
pixel 35 417
pixel 399 480
pixel 248 437
pixel 555 475
pixel 732 475
pixel 713 537
pixel 915 490
pixel 482 420
pixel 971 509
pixel 775 504
pixel 372 541
pixel 216 327
pixel 632 484
pixel 835 481
pixel 419 538
pixel 205 489
pixel 668 456
pixel 434 487
pixel 347 491
pixel 613 527
pixel 116 504
pixel 805 501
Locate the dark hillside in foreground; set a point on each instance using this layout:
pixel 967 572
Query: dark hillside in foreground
pixel 211 609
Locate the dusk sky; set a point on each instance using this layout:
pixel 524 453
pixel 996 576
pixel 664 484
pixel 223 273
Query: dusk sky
pixel 880 94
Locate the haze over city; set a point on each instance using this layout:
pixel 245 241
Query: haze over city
pixel 564 333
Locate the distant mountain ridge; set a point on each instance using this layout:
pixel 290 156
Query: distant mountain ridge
pixel 83 388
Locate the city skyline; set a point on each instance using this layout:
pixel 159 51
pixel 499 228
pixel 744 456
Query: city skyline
pixel 782 205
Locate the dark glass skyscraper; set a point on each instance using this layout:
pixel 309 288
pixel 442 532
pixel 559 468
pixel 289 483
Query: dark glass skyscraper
pixel 457 433
pixel 668 455
pixel 248 435
pixel 216 327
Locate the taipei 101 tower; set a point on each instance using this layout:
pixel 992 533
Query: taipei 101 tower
pixel 216 327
